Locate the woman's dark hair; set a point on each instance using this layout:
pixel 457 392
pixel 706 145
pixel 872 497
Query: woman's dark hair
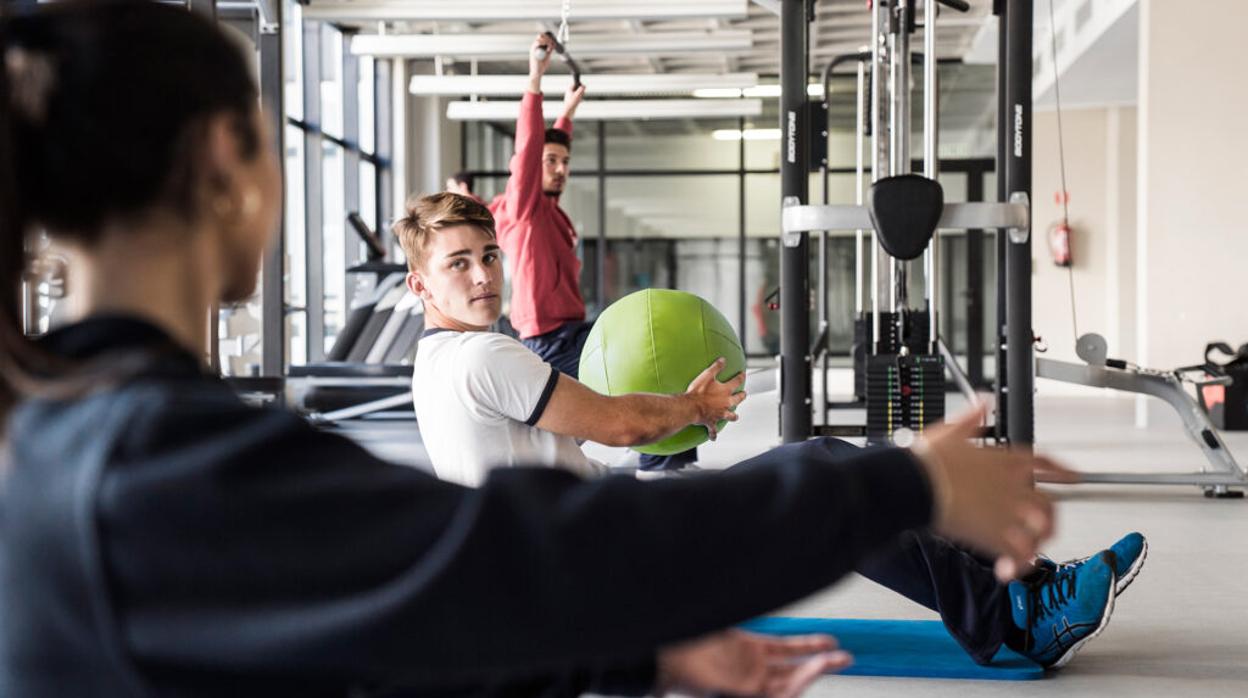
pixel 103 108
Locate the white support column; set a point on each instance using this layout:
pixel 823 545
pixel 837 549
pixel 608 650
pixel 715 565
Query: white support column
pixel 1143 97
pixel 399 124
pixel 1191 203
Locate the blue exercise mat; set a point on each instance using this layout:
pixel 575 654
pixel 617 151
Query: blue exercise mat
pixel 913 648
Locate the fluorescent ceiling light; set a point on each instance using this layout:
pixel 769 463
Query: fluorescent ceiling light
pixel 718 92
pixel 514 11
pixel 604 84
pixel 750 134
pixel 814 89
pixel 580 46
pixel 769 91
pixel 612 110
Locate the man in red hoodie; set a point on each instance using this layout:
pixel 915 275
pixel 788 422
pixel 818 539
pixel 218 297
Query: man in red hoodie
pixel 537 237
pixel 539 242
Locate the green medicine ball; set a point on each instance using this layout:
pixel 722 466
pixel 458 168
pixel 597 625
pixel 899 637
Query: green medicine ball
pixel 658 341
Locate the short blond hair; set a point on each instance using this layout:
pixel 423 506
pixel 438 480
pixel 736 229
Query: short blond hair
pixel 429 214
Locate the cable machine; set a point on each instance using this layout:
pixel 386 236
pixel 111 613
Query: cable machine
pixel 903 372
pixel 905 365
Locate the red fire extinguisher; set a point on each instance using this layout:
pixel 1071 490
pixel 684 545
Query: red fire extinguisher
pixel 1059 233
pixel 1059 243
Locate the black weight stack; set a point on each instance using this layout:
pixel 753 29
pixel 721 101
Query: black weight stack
pixel 902 390
pixel 916 340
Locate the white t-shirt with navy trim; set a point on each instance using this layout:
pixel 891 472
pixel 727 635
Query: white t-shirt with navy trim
pixel 477 396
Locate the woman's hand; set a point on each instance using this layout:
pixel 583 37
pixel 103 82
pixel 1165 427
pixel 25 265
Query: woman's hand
pixel 747 664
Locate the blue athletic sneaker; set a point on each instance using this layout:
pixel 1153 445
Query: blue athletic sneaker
pixel 1129 554
pixel 1064 610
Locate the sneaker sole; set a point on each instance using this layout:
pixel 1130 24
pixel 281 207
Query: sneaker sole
pixel 1134 570
pixel 1070 653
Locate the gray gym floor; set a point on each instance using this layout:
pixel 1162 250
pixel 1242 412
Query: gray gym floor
pixel 1182 627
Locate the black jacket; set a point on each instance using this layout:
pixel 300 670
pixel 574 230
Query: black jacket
pixel 158 537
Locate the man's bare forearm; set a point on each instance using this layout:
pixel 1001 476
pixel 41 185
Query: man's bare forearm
pixel 647 417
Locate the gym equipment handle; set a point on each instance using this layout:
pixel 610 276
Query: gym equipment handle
pixel 1226 349
pixel 959 5
pixel 1212 374
pixel 540 54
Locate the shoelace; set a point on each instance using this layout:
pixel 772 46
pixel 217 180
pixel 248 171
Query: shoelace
pixel 1060 590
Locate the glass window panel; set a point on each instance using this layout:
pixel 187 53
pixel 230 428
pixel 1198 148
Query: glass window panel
pixel 296 331
pixel 672 206
pixel 954 185
pixel 296 245
pixel 292 57
pixel 659 239
pixel 474 154
pixel 580 202
pixel 499 144
pixel 632 265
pixel 762 277
pixel 490 146
pixel 840 187
pixel 763 263
pixel 368 193
pixel 953 281
pixel 841 298
pixel 358 285
pixel 762 202
pixel 762 205
pixel 671 144
pixel 762 154
pixel 711 269
pixel 331 81
pixel 762 281
pixel 368 104
pixel 584 146
pixel 333 230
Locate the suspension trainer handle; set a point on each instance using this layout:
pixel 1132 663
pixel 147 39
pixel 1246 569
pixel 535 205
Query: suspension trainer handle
pixel 540 54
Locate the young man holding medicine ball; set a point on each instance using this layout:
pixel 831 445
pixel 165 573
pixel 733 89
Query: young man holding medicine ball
pixel 484 402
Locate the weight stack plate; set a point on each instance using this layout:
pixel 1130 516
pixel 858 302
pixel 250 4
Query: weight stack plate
pixel 903 392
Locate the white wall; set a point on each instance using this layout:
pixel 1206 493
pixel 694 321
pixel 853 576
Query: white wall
pixel 1100 177
pixel 1192 207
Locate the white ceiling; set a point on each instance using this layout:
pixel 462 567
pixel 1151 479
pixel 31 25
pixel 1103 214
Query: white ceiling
pixel 1097 53
pixel 968 90
pixel 1097 42
pixel 841 26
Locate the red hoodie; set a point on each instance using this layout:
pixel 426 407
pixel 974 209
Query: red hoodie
pixel 537 237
